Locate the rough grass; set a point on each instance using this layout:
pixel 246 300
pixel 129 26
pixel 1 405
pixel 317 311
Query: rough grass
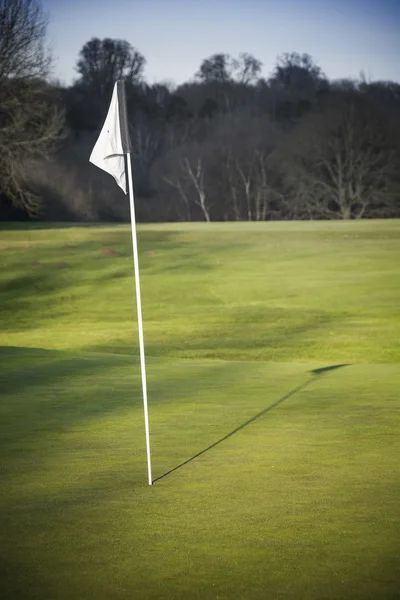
pixel 276 475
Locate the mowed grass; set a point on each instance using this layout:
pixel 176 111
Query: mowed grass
pixel 273 356
pixel 271 292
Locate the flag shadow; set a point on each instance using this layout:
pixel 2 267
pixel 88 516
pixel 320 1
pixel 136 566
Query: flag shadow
pixel 315 372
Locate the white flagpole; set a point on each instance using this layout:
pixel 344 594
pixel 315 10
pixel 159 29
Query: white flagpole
pixel 108 154
pixel 139 312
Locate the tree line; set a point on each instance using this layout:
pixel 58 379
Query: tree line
pixel 228 145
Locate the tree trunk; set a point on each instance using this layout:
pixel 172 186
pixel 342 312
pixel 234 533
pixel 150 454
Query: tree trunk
pixel 202 198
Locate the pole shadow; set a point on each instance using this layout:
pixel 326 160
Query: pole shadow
pixel 314 372
pixel 324 370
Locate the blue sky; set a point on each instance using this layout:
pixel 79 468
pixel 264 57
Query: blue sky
pixel 344 37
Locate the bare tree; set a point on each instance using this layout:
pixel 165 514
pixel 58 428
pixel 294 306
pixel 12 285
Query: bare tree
pixel 247 68
pixel 147 139
pixel 342 157
pixel 296 84
pixel 245 170
pixel 194 170
pixel 176 182
pixel 216 68
pixel 297 73
pixel 229 164
pixel 22 34
pixel 243 144
pixel 185 171
pixel 223 68
pixel 30 118
pixel 102 62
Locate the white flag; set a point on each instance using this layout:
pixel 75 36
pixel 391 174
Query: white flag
pixel 108 152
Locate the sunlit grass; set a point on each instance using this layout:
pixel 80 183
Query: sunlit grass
pixel 276 291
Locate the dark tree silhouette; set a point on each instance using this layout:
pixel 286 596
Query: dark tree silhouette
pixel 102 62
pixel 216 68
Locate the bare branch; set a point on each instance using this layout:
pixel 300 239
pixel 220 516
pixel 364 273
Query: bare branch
pixel 33 123
pixel 22 33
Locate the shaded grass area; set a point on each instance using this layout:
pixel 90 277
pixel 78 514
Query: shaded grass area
pixel 275 291
pixel 287 485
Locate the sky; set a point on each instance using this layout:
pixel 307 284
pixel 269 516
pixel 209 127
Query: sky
pixel 344 37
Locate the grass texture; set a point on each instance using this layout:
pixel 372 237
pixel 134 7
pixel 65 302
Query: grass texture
pixel 273 356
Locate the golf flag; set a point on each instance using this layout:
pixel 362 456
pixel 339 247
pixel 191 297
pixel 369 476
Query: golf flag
pixel 113 142
pixel 109 153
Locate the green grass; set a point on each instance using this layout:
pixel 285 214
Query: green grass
pixel 276 477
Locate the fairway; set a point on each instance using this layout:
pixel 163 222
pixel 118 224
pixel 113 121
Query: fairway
pixel 273 358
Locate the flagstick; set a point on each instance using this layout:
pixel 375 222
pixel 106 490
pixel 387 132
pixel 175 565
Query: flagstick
pixel 139 311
